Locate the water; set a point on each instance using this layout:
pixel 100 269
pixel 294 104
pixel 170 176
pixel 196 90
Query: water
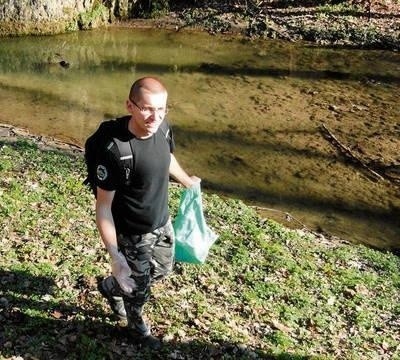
pixel 246 115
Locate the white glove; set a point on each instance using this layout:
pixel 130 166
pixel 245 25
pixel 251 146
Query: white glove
pixel 122 272
pixel 194 181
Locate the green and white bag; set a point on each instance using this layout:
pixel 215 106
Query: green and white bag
pixel 193 238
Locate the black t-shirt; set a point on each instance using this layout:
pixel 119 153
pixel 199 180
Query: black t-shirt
pixel 141 206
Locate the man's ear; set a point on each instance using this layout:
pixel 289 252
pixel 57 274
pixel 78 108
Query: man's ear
pixel 129 106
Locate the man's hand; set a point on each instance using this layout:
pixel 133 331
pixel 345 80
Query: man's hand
pixel 122 272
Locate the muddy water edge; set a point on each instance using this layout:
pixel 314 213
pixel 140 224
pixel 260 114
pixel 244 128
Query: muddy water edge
pixel 247 115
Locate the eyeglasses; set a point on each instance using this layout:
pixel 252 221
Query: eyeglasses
pixel 150 109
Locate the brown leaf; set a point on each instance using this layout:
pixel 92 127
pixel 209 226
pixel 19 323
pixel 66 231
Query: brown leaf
pixel 57 314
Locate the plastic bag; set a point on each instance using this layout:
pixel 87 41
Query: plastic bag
pixel 193 238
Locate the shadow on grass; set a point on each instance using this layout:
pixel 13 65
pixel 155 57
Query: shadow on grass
pixel 34 327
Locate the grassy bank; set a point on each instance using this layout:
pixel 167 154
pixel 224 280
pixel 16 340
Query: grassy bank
pixel 265 291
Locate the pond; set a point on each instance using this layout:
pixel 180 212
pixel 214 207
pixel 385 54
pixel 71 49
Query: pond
pixel 246 115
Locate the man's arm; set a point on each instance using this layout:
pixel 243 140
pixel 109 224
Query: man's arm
pixel 106 226
pixel 180 175
pixel 105 221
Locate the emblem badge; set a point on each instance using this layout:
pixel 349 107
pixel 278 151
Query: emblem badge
pixel 101 172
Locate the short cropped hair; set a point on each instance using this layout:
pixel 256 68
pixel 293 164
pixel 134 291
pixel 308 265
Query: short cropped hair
pixel 146 84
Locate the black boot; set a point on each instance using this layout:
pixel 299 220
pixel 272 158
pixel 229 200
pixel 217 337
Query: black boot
pixel 106 287
pixel 140 331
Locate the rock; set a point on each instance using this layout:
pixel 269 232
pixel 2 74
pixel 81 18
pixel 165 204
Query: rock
pixel 47 16
pixel 64 64
pixel 47 10
pixel 333 107
pixel 5 132
pixel 3 303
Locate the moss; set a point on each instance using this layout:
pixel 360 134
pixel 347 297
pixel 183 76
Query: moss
pixel 93 17
pixel 32 28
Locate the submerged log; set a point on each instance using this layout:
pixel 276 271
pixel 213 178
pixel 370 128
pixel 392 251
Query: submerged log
pixel 346 151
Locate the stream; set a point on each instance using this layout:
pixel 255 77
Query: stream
pixel 247 115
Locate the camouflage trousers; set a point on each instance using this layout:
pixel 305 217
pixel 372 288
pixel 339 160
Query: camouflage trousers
pixel 150 257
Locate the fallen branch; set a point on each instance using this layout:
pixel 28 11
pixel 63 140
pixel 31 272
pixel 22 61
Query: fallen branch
pixel 348 153
pixel 288 216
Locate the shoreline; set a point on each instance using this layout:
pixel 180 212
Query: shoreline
pixel 12 133
pixel 380 31
pixel 8 131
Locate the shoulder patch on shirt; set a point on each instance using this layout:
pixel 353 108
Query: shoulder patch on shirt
pixel 101 172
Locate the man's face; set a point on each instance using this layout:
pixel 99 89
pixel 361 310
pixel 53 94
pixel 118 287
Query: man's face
pixel 148 111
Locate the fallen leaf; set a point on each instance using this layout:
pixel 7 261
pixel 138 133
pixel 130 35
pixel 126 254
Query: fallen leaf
pixel 57 314
pixel 277 325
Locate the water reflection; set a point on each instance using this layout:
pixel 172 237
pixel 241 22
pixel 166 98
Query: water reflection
pixel 246 114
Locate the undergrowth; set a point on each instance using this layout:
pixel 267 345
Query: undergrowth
pixel 264 291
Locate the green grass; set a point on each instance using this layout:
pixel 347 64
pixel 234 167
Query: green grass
pixel 344 8
pixel 264 292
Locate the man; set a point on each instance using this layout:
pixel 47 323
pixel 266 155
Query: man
pixel 133 220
